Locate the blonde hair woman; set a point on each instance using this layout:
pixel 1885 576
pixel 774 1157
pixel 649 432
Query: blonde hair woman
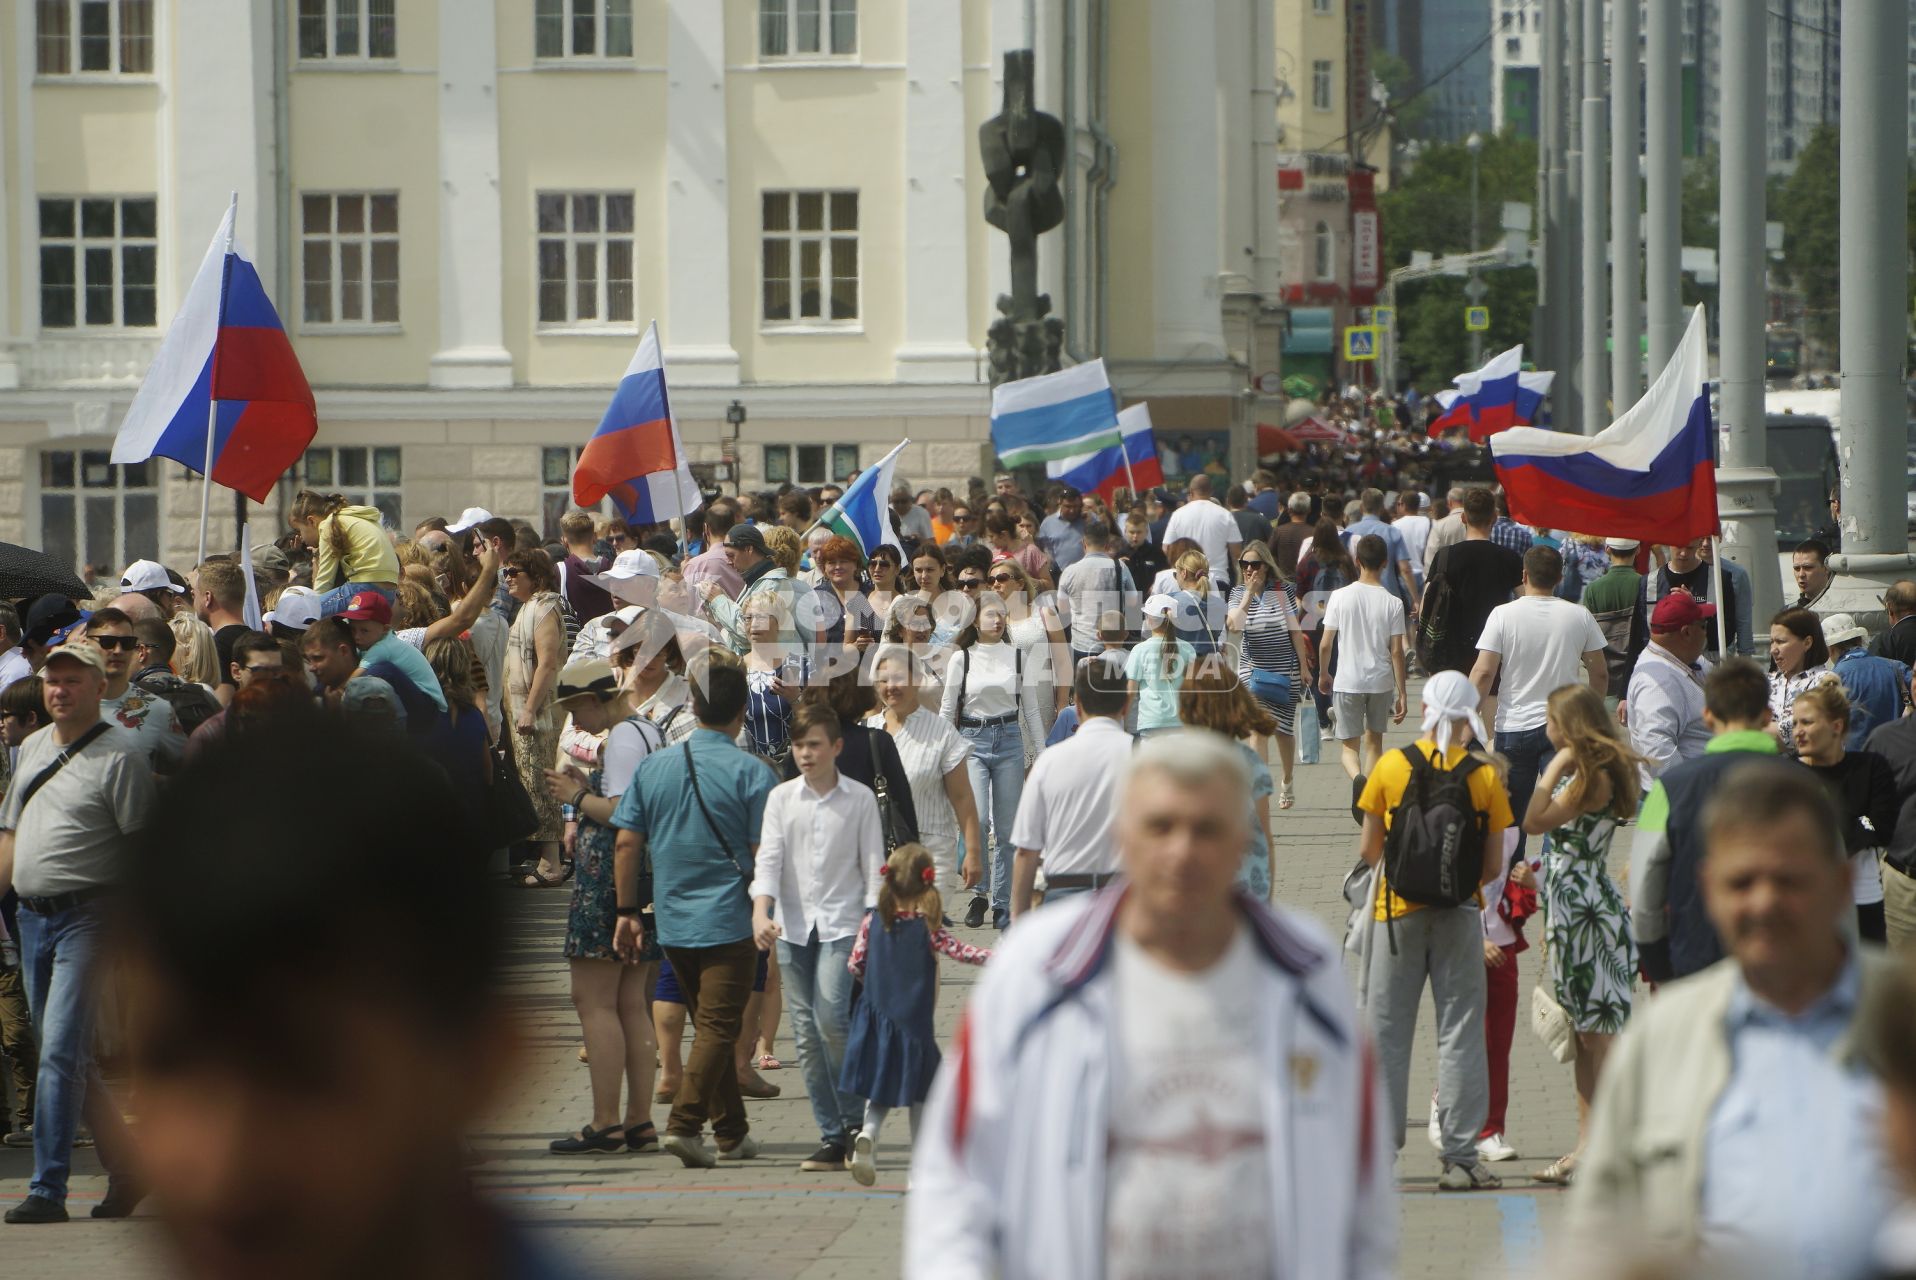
pixel 783 545
pixel 195 657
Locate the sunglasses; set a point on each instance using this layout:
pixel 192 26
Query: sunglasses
pixel 117 644
pixel 998 578
pixel 964 517
pixel 512 573
pixel 264 666
pixel 1250 564
pixel 970 584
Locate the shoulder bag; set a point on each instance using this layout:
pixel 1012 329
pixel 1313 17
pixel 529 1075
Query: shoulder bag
pixel 692 772
pixel 510 812
pixel 1547 1017
pixel 45 775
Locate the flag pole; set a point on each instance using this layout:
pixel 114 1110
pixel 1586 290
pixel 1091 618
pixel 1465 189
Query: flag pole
pixel 213 382
pixel 883 500
pixel 1716 595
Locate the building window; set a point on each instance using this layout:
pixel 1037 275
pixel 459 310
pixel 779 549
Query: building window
pixel 349 251
pixel 1512 45
pixel 1320 6
pixel 369 477
pixel 810 256
pixel 582 29
pixel 94 36
pixel 98 262
pixel 93 513
pixel 585 258
pixel 807 28
pixel 810 464
pixel 1324 252
pixel 556 462
pixel 348 29
pixel 1321 85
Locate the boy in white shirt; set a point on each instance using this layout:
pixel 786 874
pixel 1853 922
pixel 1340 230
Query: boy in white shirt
pixel 820 852
pixel 1364 629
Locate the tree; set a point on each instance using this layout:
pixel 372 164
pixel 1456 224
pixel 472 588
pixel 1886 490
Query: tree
pixel 1429 209
pixel 1806 205
pixel 1408 110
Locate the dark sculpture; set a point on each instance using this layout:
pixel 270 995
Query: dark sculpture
pixel 1023 151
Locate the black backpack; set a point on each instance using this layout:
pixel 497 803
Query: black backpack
pixel 1434 850
pixel 193 704
pixel 1433 618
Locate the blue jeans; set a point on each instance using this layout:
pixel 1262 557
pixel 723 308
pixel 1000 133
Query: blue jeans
pixel 818 994
pixel 996 767
pixel 340 596
pixel 57 953
pixel 1527 750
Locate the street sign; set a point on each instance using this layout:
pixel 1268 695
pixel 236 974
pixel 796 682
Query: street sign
pixel 1475 290
pixel 1383 317
pixel 1268 384
pixel 1360 342
pixel 1476 319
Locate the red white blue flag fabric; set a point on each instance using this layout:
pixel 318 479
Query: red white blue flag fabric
pixel 636 457
pixel 1103 471
pixel 1494 398
pixel 226 345
pixel 1650 475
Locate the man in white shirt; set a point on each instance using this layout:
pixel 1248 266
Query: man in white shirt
pixel 1364 633
pixel 1447 530
pixel 13 660
pixel 819 856
pixel 1666 689
pixel 1206 523
pixel 1536 643
pixel 1070 801
pixel 1096 583
pixel 1413 522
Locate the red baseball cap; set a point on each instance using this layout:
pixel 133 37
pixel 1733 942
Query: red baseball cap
pixel 368 606
pixel 1678 609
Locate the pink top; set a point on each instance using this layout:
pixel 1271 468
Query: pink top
pixel 941 942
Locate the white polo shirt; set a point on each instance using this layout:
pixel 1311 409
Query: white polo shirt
pixel 1069 808
pixel 819 857
pixel 1204 522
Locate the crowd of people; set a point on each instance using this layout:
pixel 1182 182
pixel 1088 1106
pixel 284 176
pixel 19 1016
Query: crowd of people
pixel 780 773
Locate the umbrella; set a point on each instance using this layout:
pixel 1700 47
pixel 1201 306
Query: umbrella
pixel 1318 429
pixel 1272 440
pixel 25 572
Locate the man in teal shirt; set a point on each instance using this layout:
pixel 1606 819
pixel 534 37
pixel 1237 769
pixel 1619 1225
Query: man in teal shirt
pixel 697 806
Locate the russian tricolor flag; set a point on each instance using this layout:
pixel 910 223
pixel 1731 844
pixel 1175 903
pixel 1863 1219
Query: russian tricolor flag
pixel 636 455
pixel 1456 411
pixel 1532 388
pixel 1493 404
pixel 1103 472
pixel 1650 475
pixel 225 355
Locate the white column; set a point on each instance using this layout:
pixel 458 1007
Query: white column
pixel 221 134
pixel 937 345
pixel 698 260
pixel 1184 181
pixel 472 351
pixel 14 207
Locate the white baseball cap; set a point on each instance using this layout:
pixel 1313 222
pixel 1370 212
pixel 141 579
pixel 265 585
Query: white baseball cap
pixel 296 609
pixel 470 518
pixel 625 567
pixel 148 575
pixel 1620 544
pixel 1160 606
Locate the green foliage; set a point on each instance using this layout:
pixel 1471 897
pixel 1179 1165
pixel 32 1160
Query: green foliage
pixel 1407 117
pixel 1807 207
pixel 1429 209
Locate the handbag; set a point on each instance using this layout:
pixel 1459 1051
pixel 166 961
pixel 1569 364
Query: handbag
pixel 1310 738
pixel 510 811
pixel 1547 1017
pixel 1271 686
pixel 882 790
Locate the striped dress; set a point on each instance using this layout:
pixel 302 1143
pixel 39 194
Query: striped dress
pixel 1268 647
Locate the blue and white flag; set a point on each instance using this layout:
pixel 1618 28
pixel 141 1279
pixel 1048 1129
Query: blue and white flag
pixel 863 513
pixel 1053 416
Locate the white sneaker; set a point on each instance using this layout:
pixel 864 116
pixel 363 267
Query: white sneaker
pixel 864 1164
pixel 1495 1149
pixel 1467 1177
pixel 1434 1130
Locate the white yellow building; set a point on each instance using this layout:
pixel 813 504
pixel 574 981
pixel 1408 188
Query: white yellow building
pixel 467 210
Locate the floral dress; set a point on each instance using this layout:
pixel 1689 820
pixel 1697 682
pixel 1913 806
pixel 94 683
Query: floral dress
pixel 1593 958
pixel 1784 691
pixel 537 751
pixel 595 898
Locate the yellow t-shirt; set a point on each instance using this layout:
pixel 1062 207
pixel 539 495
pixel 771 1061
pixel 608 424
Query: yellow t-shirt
pixel 1385 790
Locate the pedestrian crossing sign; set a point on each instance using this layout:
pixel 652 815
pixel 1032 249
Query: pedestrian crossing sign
pixel 1476 319
pixel 1360 342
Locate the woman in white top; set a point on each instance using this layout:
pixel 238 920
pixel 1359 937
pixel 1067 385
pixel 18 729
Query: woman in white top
pixel 993 694
pixel 934 756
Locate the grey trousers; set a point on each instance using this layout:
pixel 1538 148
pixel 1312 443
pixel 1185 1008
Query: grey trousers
pixel 1899 906
pixel 1444 945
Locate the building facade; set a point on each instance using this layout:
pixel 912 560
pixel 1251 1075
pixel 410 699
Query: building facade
pixel 468 210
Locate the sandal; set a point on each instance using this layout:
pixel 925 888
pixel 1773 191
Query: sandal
pixel 1559 1173
pixel 766 1062
pixel 534 880
pixel 642 1138
pixel 1286 795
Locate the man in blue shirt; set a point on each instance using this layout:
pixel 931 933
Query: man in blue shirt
pixel 1061 534
pixel 1397 569
pixel 1875 685
pixel 697 806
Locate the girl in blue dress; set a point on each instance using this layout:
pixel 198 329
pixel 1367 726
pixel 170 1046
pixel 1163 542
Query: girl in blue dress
pixel 891 1052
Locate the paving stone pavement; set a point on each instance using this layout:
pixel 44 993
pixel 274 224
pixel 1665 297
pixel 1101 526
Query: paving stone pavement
pixel 764 1220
